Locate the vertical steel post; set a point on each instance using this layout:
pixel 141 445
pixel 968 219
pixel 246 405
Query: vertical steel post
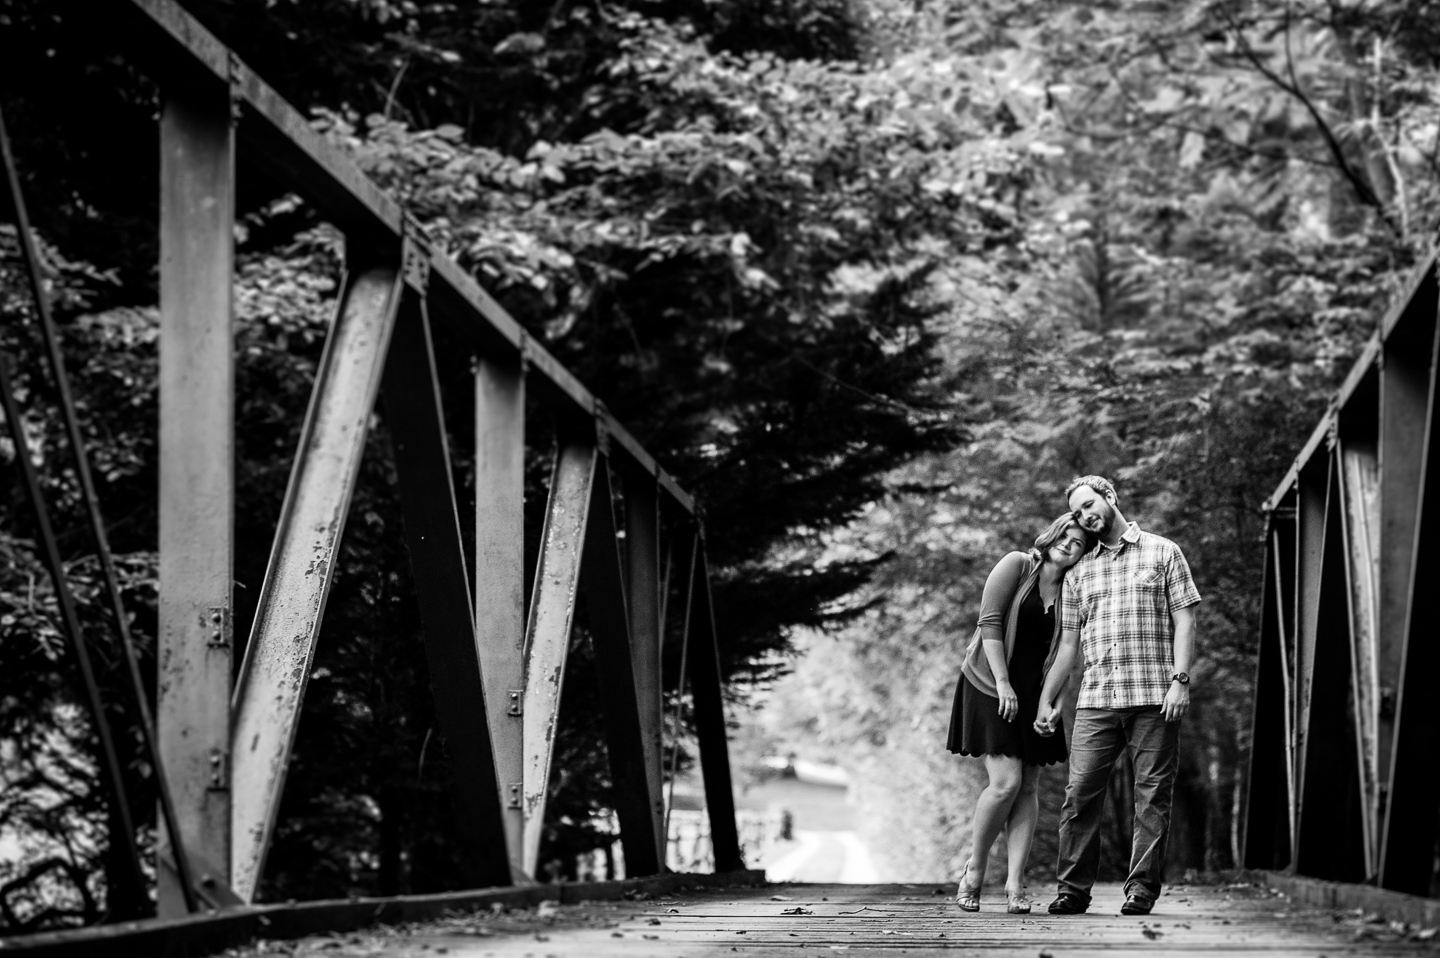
pixel 707 686
pixel 499 575
pixel 197 484
pixel 605 601
pixel 552 616
pixel 411 402
pixel 291 607
pixel 1408 858
pixel 643 578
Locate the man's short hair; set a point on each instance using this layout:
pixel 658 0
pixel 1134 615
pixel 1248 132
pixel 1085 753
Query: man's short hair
pixel 1099 483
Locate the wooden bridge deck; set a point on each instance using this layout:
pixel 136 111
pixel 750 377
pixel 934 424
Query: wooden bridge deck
pixel 884 920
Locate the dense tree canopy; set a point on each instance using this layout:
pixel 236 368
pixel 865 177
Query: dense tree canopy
pixel 874 279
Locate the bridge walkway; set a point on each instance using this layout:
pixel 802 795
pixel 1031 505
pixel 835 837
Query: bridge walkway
pixel 889 920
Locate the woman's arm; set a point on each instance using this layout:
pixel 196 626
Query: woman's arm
pixel 1055 681
pixel 1004 691
pixel 995 601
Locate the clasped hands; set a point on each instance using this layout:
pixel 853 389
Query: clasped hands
pixel 1046 718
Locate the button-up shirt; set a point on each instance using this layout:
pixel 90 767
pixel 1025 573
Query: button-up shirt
pixel 1120 600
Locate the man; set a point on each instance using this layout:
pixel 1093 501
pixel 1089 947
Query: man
pixel 1129 603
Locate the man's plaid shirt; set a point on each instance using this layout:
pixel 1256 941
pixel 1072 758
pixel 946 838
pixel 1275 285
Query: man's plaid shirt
pixel 1120 601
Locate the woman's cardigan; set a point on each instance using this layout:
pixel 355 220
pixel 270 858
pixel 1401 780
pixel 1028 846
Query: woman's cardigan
pixel 1007 587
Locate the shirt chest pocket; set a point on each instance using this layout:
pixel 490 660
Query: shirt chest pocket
pixel 1149 578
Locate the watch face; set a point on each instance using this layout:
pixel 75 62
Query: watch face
pixel 1182 677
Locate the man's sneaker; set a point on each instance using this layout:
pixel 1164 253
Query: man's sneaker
pixel 1135 905
pixel 1068 904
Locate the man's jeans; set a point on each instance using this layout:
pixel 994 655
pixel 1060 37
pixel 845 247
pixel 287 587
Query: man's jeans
pixel 1096 742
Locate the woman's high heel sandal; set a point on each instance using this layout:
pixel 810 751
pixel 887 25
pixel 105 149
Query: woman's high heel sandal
pixel 1017 904
pixel 969 898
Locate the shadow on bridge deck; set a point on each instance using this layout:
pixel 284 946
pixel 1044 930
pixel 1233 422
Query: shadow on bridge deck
pixel 880 919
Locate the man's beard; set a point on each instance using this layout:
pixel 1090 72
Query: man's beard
pixel 1107 523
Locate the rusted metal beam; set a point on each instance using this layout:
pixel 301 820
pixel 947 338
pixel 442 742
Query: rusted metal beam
pixel 645 587
pixel 499 575
pixel 605 601
pixel 277 662
pixel 177 51
pixel 197 478
pixel 1329 829
pixel 552 616
pixel 707 684
pixel 410 396
pixel 1408 844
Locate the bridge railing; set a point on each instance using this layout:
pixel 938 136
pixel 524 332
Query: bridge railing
pixel 1346 733
pixel 496 666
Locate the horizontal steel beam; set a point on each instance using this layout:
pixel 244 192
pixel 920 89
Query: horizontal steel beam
pixel 173 47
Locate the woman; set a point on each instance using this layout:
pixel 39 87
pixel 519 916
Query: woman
pixel 998 695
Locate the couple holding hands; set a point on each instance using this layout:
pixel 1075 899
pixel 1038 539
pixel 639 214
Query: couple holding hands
pixel 1094 583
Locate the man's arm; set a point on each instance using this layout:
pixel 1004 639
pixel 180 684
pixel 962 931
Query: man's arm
pixel 1177 698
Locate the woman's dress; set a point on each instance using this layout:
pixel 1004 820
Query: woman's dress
pixel 976 727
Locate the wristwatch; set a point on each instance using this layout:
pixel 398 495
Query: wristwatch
pixel 1182 677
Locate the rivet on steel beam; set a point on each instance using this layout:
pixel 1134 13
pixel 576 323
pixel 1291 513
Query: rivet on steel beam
pixel 517 697
pixel 512 795
pixel 218 769
pixel 1387 703
pixel 217 620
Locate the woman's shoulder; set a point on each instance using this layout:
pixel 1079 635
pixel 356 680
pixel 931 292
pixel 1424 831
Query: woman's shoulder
pixel 1014 563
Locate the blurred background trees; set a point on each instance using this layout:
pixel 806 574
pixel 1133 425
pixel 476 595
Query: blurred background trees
pixel 874 279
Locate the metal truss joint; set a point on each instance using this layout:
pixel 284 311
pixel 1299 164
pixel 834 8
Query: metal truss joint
pixel 517 700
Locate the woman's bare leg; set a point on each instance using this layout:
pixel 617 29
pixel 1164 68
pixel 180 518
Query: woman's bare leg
pixel 992 808
pixel 1020 828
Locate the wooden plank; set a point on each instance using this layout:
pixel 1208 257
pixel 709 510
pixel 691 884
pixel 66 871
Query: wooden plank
pixel 1407 861
pixel 197 480
pixel 1329 839
pixel 291 607
pixel 644 589
pixel 547 633
pixel 707 687
pixel 605 601
pixel 410 393
pixel 499 575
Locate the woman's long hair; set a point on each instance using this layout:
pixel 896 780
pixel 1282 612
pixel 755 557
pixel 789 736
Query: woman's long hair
pixel 1052 535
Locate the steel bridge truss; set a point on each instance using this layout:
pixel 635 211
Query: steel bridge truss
pixel 1345 733
pixel 496 668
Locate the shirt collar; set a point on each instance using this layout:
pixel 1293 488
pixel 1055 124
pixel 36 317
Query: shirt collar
pixel 1130 536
